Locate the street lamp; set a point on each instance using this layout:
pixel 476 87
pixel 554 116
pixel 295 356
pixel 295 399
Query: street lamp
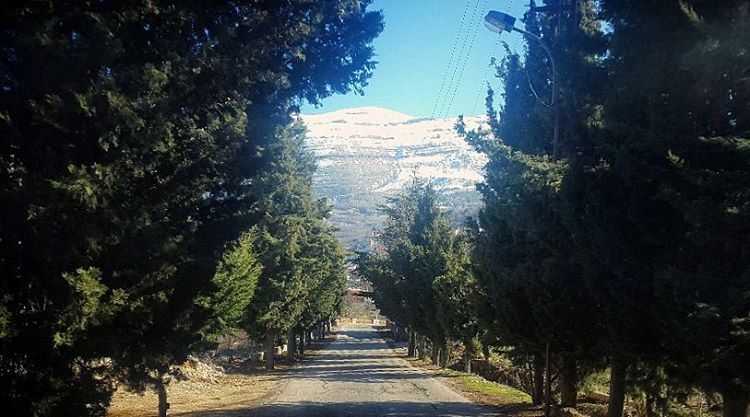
pixel 499 22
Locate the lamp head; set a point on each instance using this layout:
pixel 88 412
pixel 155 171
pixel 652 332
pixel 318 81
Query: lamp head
pixel 499 22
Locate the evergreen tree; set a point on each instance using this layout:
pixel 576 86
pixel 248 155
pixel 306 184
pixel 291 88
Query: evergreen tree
pixel 421 260
pixel 660 198
pixel 289 218
pixel 526 259
pixel 421 279
pixel 127 130
pixel 326 274
pixel 455 292
pixel 235 282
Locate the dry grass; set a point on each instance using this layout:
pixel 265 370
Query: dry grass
pixel 204 393
pixel 210 391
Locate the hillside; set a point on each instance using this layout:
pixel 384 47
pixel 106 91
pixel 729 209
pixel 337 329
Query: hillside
pixel 366 154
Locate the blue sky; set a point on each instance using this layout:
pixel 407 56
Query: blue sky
pixel 414 51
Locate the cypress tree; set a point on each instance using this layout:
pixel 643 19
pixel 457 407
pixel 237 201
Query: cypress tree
pixel 658 198
pixel 127 135
pixel 526 259
pixel 455 293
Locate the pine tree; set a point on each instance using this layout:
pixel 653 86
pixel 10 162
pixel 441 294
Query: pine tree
pixel 455 292
pixel 326 275
pixel 127 130
pixel 235 282
pixel 659 197
pixel 290 222
pixel 526 259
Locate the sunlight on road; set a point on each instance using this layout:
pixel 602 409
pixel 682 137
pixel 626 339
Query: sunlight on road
pixel 359 375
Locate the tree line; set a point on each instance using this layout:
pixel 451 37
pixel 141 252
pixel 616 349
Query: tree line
pixel 625 245
pixel 155 189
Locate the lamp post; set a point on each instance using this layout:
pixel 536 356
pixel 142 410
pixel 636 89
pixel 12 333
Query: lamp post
pixel 501 22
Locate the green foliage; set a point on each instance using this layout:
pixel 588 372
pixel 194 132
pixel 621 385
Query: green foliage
pixel 303 264
pixel 387 296
pixel 91 302
pixel 501 394
pixel 661 201
pixel 531 286
pixel 455 296
pixel 326 275
pixel 423 279
pixel 236 280
pixel 126 166
pixel 633 247
pixel 524 259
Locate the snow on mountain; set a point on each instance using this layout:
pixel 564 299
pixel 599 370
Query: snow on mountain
pixel 366 154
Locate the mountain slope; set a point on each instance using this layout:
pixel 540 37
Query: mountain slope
pixel 366 154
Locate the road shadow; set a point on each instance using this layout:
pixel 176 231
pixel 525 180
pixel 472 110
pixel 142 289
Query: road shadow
pixel 357 356
pixel 357 409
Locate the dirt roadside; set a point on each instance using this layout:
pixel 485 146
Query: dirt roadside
pixel 202 397
pixel 210 391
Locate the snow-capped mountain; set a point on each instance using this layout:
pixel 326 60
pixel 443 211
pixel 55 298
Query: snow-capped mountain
pixel 366 154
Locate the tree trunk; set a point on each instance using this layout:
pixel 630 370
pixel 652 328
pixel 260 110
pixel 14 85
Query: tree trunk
pixel 735 402
pixel 302 343
pixel 161 393
pixel 445 353
pixel 650 403
pixel 568 382
pixel 291 345
pixel 412 344
pixel 328 326
pixel 486 351
pixel 547 381
pixel 467 362
pixel 421 348
pixel 268 349
pixel 435 353
pixel 617 376
pixel 537 397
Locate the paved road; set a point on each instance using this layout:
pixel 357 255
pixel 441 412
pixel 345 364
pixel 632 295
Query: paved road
pixel 359 376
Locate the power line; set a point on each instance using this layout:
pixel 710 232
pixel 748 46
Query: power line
pixel 466 59
pixel 444 99
pixel 485 78
pixel 492 64
pixel 450 60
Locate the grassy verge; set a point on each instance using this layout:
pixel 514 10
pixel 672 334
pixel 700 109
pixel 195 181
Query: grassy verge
pixel 482 391
pixel 499 394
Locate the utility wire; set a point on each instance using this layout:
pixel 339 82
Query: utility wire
pixel 486 78
pixel 466 58
pixel 444 99
pixel 450 61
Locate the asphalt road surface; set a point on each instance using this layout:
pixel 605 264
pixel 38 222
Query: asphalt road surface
pixel 357 375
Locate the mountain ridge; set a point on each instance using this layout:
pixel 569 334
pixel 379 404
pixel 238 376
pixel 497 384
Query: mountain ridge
pixel 366 154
